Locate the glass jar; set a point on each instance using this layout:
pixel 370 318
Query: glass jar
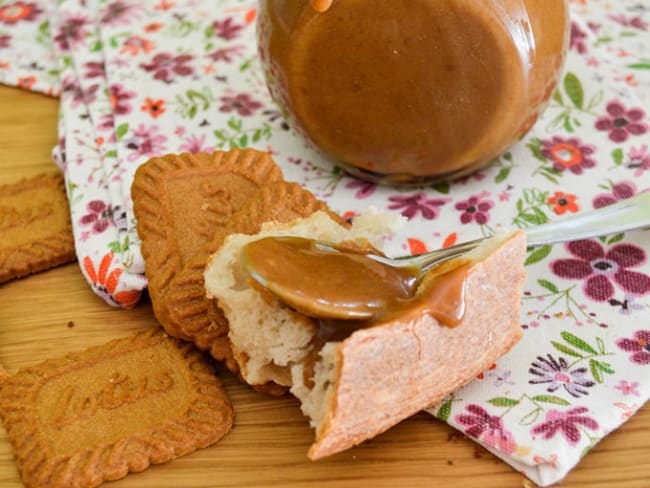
pixel 412 91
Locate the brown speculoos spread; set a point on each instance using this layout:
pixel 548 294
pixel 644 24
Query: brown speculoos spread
pixel 412 90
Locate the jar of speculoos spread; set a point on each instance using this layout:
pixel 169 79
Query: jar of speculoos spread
pixel 412 91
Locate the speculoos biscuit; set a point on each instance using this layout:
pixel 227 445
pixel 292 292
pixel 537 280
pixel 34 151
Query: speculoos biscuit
pixel 180 201
pixel 96 415
pixel 199 317
pixel 35 227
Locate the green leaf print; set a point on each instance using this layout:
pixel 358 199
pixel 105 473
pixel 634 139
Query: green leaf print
pixel 577 342
pixel 444 411
pixel 503 402
pixel 566 350
pixel 643 65
pixel 503 175
pixel 548 285
pixel 574 90
pixel 617 156
pixel 538 255
pixel 121 131
pixel 555 400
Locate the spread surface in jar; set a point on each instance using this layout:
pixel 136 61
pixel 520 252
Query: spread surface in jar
pixel 412 91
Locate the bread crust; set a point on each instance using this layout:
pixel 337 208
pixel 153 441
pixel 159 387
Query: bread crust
pixel 390 372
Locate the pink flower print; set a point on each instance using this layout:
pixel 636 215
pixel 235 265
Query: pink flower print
pixel 475 209
pixel 578 37
pixel 71 33
pixel 638 345
pixel 639 160
pixel 621 122
pixel 164 66
pixel 75 94
pixel 636 22
pixel 227 29
pixel 364 188
pixel 195 144
pixel 94 70
pixel 628 388
pixel 569 154
pixel 5 41
pixel 119 99
pixel 146 142
pixel 418 203
pixel 226 54
pixel 242 103
pixel 99 216
pixel 602 270
pixel 17 11
pixel 567 423
pixel 556 373
pixel 481 425
pixel 620 191
pixel 120 12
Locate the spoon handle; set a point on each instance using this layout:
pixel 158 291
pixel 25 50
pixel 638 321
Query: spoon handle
pixel 626 215
pixel 630 214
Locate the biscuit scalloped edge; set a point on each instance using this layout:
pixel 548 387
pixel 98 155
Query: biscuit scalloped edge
pixel 188 304
pixel 207 419
pixel 54 250
pixel 157 248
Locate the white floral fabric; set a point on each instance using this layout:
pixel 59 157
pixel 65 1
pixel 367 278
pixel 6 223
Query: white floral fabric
pixel 140 79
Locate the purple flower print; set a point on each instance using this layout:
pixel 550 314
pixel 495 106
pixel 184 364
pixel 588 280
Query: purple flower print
pixel 364 188
pixel 227 29
pixel 242 103
pixel 621 122
pixel 639 160
pixel 569 154
pixel 418 203
pixel 71 33
pixel 5 41
pixel 145 143
pixel 120 12
pixel 481 425
pixel 578 37
pixel 567 423
pixel 226 54
pixel 475 209
pixel 196 144
pixel 94 70
pixel 620 191
pixel 164 66
pixel 638 345
pixel 119 98
pixel 17 11
pixel 99 216
pixel 602 270
pixel 557 374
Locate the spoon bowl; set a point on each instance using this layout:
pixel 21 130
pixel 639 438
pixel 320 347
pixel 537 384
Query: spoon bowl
pixel 309 276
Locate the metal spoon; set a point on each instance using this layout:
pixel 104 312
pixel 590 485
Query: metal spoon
pixel 623 216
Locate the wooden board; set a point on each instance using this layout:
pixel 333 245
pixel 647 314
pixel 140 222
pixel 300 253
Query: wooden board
pixel 54 312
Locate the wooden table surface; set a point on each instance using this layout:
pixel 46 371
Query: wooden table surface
pixel 270 437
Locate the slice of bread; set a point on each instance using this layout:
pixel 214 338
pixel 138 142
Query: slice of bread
pixel 379 375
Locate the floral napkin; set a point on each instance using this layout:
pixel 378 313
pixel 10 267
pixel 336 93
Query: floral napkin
pixel 140 79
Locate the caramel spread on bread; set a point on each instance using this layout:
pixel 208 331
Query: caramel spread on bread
pixel 357 285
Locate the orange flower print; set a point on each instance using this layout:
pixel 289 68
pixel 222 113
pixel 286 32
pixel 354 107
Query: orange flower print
pixel 105 282
pixel 26 82
pixel 164 5
pixel 153 27
pixel 155 108
pixel 17 11
pixel 563 203
pixel 134 44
